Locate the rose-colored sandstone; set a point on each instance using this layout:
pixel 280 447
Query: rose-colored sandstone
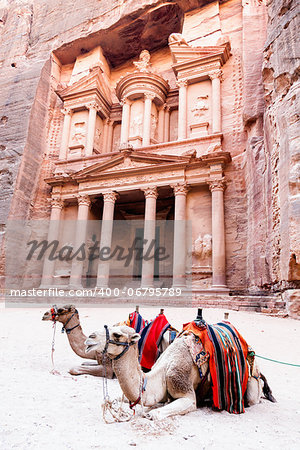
pixel 188 109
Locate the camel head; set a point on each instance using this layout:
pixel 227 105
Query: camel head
pixel 115 341
pixel 60 314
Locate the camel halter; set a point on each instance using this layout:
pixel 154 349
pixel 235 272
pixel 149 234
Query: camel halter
pixel 55 314
pixel 110 341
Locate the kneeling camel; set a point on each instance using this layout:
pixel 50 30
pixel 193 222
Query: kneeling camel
pixel 173 377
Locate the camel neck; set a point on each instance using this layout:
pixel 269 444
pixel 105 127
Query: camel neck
pixel 129 373
pixel 76 337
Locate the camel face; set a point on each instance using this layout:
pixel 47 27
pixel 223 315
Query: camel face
pixel 118 336
pixel 62 313
pixel 95 341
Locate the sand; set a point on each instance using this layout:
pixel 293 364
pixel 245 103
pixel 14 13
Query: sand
pixel 42 410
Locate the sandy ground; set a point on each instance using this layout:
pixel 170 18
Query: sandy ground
pixel 42 410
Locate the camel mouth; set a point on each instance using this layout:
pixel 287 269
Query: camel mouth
pixel 46 317
pixel 89 347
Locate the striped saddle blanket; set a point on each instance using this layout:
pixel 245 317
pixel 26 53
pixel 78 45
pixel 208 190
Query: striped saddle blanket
pixel 228 367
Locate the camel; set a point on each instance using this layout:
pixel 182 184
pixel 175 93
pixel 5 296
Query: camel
pixel 174 376
pixel 69 317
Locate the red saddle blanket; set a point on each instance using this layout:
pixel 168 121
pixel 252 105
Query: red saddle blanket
pixel 228 367
pixel 151 337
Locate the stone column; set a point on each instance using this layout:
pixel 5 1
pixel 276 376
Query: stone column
pixel 91 129
pixel 80 236
pixel 106 237
pixel 105 135
pixel 110 136
pixel 179 253
pixel 125 121
pixel 216 100
pixel 161 125
pixel 217 188
pixel 65 134
pixel 53 235
pixel 147 119
pixel 182 110
pixel 149 235
pixel 167 123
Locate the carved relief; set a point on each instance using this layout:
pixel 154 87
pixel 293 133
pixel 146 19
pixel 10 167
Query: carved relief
pixel 200 106
pixel 78 135
pixel 136 127
pixel 217 185
pixel 202 246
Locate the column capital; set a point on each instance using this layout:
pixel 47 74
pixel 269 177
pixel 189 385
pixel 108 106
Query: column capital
pixel 150 192
pixel 182 83
pixel 180 188
pixel 166 107
pixel 57 202
pixel 93 105
pixel 107 121
pixel 217 185
pixel 110 196
pixel 66 111
pixel 125 101
pixel 216 74
pixel 149 96
pixel 84 199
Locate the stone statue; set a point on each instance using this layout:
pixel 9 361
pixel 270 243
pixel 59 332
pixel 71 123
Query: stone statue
pixel 202 246
pixel 143 64
pixel 177 38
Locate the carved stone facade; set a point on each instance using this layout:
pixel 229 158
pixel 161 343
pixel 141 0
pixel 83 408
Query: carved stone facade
pixel 137 128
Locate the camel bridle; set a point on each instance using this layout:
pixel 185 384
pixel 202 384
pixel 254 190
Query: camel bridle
pixel 55 314
pixel 108 341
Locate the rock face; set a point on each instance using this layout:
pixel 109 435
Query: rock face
pixel 273 167
pixel 260 112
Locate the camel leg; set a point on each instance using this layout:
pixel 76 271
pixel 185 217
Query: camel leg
pixel 181 405
pixel 96 371
pixel 254 391
pixel 90 363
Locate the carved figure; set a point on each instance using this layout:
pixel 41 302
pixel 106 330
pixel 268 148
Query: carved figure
pixel 202 246
pixel 200 106
pixel 136 126
pixel 143 64
pixel 79 133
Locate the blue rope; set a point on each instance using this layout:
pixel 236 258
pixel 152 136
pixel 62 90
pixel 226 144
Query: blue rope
pixel 279 362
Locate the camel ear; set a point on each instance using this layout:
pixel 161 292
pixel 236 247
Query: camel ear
pixel 135 337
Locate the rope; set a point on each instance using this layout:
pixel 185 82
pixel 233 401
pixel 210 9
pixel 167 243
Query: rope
pixel 53 371
pixel 279 362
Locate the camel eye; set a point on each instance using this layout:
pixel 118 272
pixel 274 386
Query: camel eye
pixel 117 335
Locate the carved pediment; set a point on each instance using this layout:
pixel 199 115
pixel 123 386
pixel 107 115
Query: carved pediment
pixel 129 161
pixel 94 82
pixel 183 55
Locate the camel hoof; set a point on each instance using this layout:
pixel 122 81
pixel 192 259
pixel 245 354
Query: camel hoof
pixel 74 371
